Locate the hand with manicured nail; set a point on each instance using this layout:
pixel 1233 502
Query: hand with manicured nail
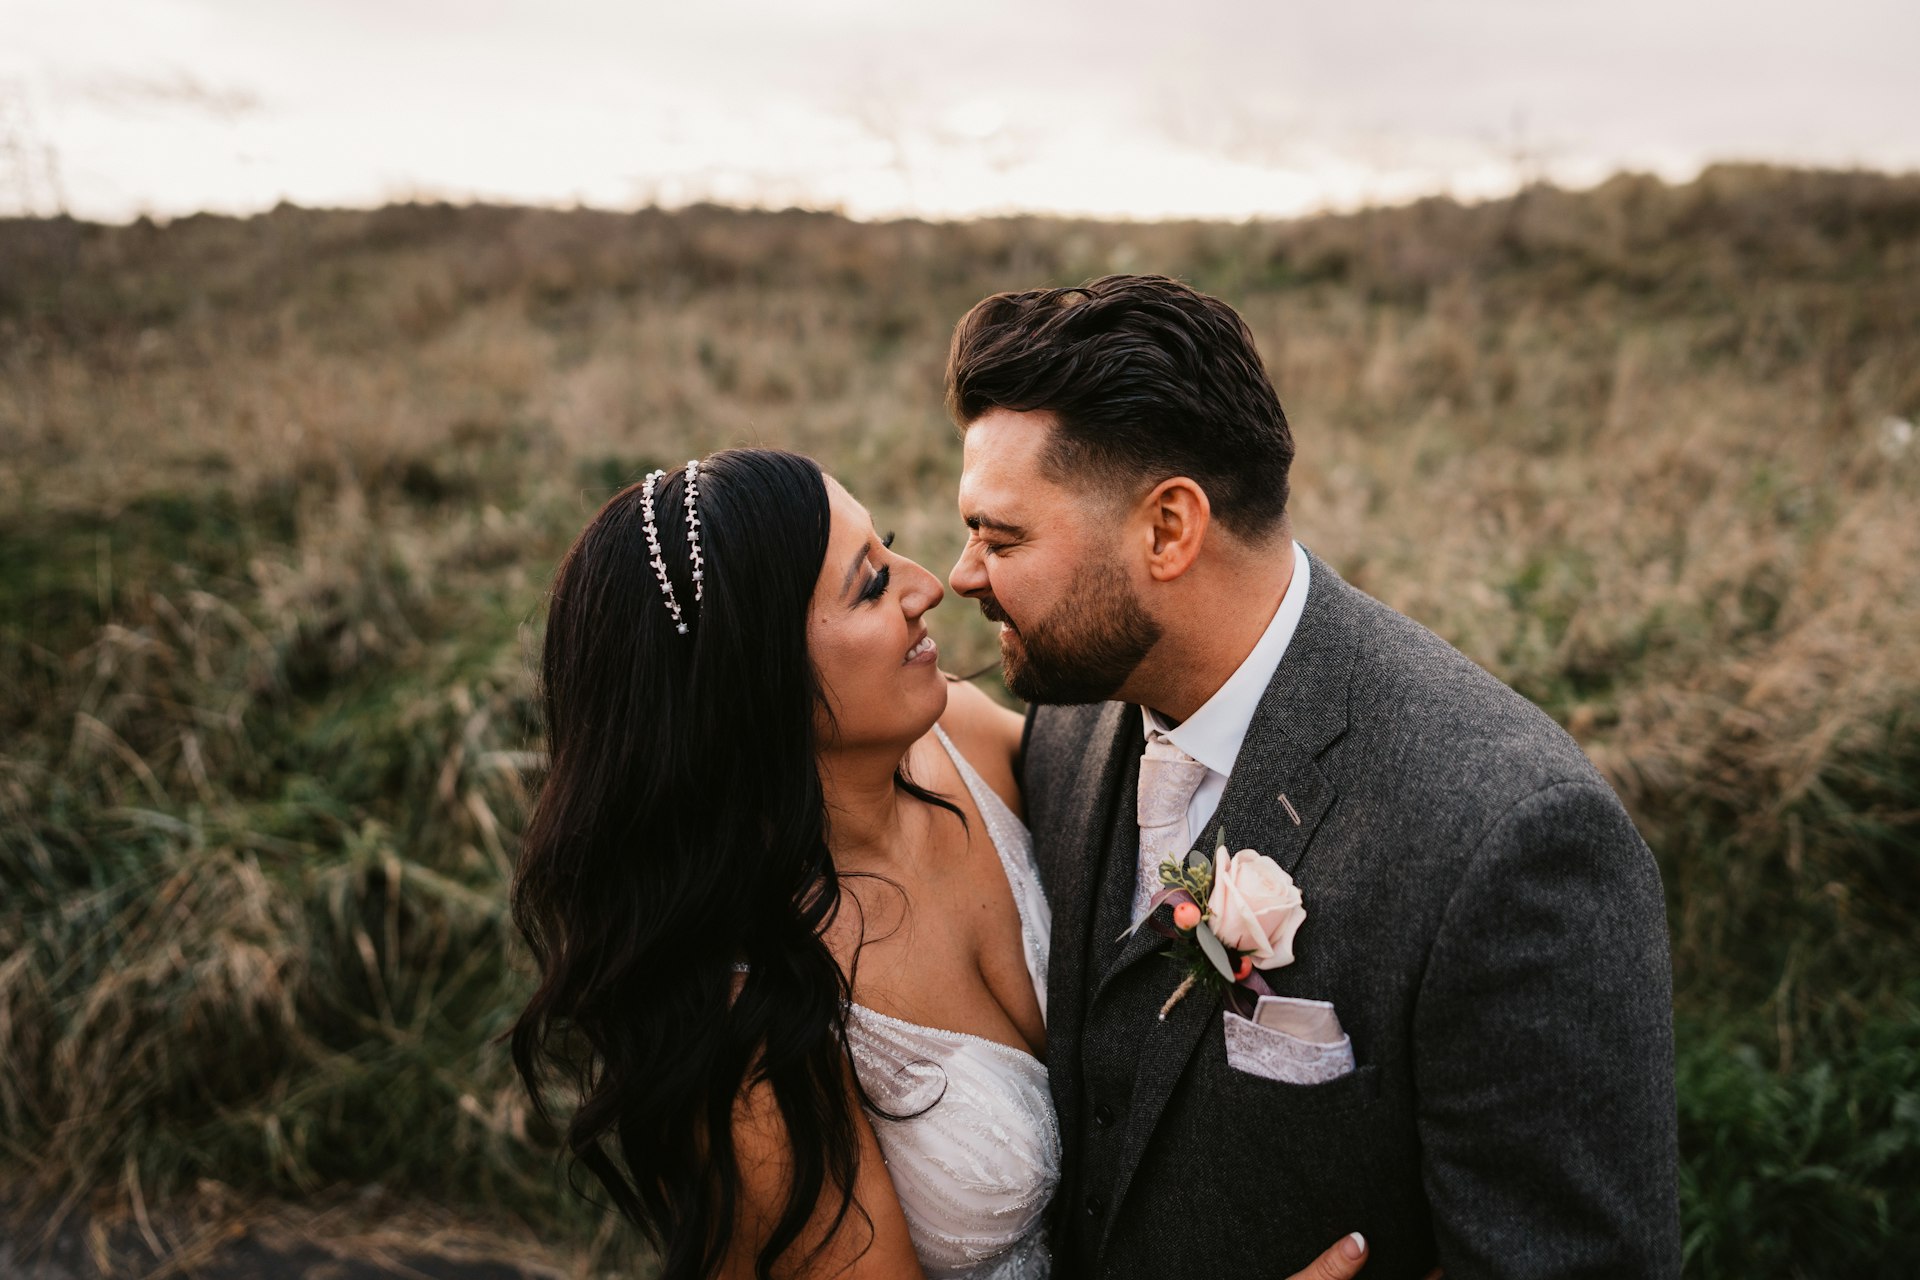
pixel 1343 1261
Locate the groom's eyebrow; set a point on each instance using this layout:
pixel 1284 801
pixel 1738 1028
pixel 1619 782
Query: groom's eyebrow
pixel 977 522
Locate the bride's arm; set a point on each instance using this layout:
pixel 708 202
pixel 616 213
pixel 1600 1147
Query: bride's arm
pixel 988 735
pixel 855 1252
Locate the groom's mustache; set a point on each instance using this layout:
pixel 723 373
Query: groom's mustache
pixel 991 607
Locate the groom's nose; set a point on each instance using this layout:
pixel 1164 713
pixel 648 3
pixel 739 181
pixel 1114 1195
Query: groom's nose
pixel 969 574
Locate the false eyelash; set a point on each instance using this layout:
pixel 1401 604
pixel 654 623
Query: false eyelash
pixel 887 541
pixel 878 587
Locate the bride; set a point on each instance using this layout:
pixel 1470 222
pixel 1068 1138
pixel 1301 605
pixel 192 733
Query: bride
pixel 792 946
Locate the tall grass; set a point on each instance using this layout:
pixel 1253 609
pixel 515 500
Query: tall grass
pixel 278 498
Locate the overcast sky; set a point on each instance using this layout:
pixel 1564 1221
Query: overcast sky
pixel 879 107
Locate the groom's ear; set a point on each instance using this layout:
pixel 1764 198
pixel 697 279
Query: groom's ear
pixel 1174 519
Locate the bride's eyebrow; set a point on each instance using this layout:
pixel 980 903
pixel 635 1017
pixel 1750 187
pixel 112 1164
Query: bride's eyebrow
pixel 859 558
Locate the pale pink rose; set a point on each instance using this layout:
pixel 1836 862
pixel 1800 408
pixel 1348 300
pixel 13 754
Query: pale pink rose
pixel 1255 908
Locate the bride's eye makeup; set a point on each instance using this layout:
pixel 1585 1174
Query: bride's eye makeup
pixel 878 586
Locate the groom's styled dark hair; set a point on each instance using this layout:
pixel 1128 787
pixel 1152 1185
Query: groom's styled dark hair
pixel 1146 378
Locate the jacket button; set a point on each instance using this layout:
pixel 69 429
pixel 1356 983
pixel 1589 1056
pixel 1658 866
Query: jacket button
pixel 1096 1206
pixel 1103 1115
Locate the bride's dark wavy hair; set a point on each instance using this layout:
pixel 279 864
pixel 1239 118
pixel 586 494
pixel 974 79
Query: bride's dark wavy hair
pixel 681 828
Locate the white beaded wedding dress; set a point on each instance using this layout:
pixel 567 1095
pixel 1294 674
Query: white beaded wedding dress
pixel 977 1156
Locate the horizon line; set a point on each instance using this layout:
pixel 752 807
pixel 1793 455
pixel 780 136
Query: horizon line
pixel 837 209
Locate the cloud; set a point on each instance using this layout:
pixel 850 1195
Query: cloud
pixel 177 90
pixel 1218 108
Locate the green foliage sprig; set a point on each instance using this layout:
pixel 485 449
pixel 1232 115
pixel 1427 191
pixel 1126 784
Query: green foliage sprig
pixel 1195 875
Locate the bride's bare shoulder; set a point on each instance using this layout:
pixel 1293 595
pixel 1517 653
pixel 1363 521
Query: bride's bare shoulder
pixel 987 734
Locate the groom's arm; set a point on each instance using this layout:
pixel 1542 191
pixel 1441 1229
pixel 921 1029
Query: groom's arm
pixel 1543 1056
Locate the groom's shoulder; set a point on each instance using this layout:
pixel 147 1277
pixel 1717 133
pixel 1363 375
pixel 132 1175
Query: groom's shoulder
pixel 1057 737
pixel 1420 702
pixel 1054 755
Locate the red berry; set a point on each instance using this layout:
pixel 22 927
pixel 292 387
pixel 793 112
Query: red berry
pixel 1186 916
pixel 1245 970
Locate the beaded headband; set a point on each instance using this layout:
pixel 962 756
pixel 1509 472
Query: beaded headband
pixel 659 561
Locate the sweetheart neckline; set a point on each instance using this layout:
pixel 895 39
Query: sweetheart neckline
pixel 964 1036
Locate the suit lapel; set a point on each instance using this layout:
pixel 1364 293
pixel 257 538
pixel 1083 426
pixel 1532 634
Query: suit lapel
pixel 1276 794
pixel 1075 854
pixel 1253 816
pixel 1276 799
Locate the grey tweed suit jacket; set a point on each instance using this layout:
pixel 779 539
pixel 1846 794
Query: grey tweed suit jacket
pixel 1489 927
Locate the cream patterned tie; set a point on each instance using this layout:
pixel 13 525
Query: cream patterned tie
pixel 1168 779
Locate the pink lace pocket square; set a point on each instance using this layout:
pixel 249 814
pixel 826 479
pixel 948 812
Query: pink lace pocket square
pixel 1290 1040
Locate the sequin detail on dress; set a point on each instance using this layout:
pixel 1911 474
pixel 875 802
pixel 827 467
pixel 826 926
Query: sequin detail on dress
pixel 978 1156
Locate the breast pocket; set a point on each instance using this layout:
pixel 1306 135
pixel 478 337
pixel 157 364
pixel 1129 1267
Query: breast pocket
pixel 1315 1148
pixel 1255 1084
pixel 1348 1093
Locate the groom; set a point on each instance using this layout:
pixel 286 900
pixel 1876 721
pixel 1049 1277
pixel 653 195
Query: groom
pixel 1469 1056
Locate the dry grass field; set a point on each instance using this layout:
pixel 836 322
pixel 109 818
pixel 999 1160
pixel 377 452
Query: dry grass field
pixel 279 498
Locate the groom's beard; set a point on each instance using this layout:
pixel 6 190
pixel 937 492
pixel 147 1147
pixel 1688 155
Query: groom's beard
pixel 1083 650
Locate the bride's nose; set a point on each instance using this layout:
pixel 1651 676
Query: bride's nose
pixel 923 593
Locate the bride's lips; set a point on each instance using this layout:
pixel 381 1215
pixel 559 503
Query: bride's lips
pixel 924 652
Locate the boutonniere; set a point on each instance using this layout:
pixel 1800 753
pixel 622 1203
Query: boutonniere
pixel 1252 910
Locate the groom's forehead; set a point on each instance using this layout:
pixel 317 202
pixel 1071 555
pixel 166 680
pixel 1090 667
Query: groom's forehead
pixel 1004 450
pixel 995 488
pixel 1020 506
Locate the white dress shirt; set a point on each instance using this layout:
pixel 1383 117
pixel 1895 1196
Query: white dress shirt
pixel 1213 734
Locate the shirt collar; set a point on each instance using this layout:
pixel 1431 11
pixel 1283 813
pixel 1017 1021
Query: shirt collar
pixel 1213 734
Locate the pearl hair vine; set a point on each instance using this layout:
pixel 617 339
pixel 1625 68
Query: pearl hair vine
pixel 658 560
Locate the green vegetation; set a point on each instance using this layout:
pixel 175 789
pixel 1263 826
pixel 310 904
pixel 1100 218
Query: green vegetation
pixel 279 497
